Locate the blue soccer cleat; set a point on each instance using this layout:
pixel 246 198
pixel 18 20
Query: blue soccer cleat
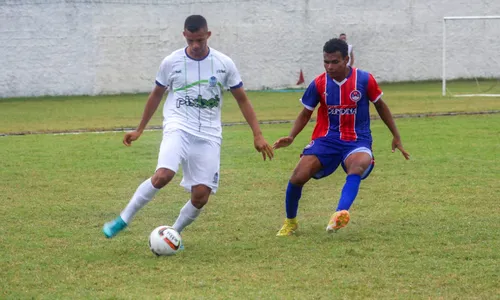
pixel 112 228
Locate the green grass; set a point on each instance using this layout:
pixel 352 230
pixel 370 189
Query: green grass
pixel 473 86
pixel 420 229
pixel 107 112
pixel 425 228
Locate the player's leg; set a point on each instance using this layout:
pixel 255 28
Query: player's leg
pixel 306 168
pixel 145 192
pixel 201 177
pixel 192 209
pixel 357 165
pixel 172 149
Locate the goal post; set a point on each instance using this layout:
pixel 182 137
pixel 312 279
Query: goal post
pixel 444 56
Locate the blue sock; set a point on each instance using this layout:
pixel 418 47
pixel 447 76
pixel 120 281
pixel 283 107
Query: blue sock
pixel 293 194
pixel 349 192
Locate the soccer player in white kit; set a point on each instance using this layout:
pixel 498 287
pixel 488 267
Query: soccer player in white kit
pixel 195 78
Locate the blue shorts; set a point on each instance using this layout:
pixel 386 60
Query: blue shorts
pixel 333 152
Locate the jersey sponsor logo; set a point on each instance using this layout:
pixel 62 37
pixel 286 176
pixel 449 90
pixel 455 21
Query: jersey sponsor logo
pixel 339 110
pixel 199 102
pixel 355 95
pixel 178 71
pixel 220 71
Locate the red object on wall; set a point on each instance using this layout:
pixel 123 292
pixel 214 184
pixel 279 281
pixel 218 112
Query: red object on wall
pixel 301 78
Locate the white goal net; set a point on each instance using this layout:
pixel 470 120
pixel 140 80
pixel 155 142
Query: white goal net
pixel 471 56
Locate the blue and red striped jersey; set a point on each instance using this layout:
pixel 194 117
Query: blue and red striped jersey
pixel 344 106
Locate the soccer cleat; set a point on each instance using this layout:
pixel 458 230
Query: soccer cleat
pixel 338 220
pixel 288 228
pixel 110 229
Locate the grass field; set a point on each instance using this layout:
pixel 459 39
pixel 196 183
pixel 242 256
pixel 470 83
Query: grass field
pixel 108 112
pixel 427 228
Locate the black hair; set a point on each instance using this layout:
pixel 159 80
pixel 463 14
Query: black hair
pixel 335 45
pixel 342 34
pixel 194 23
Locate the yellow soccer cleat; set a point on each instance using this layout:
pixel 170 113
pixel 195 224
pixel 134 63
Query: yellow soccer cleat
pixel 338 220
pixel 289 227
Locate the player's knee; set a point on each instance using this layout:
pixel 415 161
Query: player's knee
pixel 199 195
pixel 358 169
pixel 358 163
pixel 355 171
pixel 162 177
pixel 300 178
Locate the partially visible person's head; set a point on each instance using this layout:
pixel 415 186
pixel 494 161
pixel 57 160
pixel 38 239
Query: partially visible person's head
pixel 335 57
pixel 194 23
pixel 343 36
pixel 196 34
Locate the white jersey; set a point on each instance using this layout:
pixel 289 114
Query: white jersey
pixel 195 89
pixel 349 51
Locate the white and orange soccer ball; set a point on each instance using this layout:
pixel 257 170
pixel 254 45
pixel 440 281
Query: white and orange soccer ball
pixel 164 241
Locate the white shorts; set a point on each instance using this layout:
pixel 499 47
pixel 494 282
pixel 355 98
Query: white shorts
pixel 200 158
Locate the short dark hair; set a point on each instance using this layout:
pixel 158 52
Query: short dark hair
pixel 342 34
pixel 335 45
pixel 194 23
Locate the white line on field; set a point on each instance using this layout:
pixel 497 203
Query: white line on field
pixel 156 128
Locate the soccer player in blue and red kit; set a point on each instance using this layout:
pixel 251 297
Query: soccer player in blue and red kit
pixel 341 136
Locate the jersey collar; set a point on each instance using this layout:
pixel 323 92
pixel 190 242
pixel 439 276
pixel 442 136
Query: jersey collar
pixel 345 79
pixel 197 59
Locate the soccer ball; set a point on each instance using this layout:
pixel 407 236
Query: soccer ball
pixel 164 241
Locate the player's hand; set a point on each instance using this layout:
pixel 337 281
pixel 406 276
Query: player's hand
pixel 283 142
pixel 263 147
pixel 130 137
pixel 396 143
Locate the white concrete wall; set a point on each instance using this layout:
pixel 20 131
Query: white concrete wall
pixel 72 47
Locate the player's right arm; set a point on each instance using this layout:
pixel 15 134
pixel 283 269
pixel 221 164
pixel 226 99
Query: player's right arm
pixel 154 100
pixel 299 124
pixel 310 99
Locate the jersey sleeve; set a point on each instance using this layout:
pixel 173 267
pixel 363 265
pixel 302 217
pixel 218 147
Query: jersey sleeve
pixel 373 90
pixel 310 98
pixel 163 77
pixel 233 78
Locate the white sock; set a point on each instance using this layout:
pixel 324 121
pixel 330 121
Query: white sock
pixel 144 193
pixel 187 215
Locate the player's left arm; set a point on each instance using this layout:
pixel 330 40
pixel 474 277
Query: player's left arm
pixel 248 112
pixel 375 96
pixel 386 116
